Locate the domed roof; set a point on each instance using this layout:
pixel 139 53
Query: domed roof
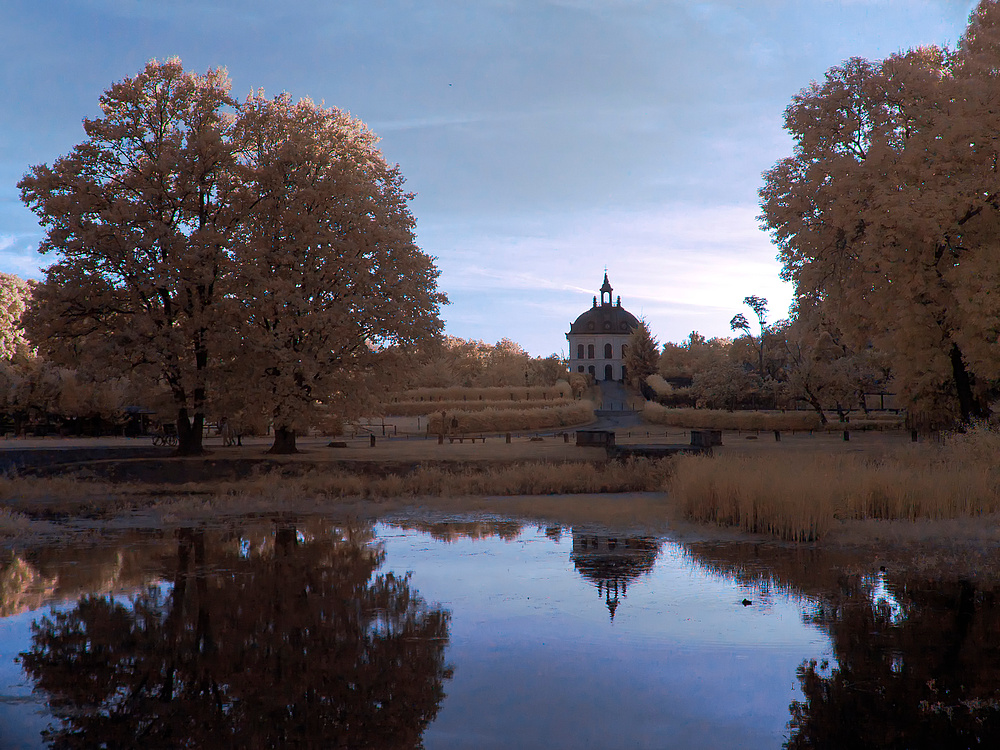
pixel 605 317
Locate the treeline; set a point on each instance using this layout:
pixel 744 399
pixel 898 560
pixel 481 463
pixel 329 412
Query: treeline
pixel 789 364
pixel 476 364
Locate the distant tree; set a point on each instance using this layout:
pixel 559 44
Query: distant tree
pixel 470 363
pixel 739 323
pixel 822 369
pixel 642 354
pixel 694 355
pixel 888 211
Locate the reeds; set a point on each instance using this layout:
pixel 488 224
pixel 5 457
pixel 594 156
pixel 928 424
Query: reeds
pixel 800 496
pixel 527 478
pixel 465 422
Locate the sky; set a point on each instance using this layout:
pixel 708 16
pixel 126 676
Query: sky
pixel 546 140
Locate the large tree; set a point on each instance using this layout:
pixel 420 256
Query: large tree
pixel 247 257
pixel 140 219
pixel 333 293
pixel 887 213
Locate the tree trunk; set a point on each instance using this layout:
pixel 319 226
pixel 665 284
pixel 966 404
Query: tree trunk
pixel 968 403
pixel 284 441
pixel 189 433
pixel 814 402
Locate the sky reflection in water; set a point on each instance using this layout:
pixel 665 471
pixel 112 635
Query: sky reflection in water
pixel 538 659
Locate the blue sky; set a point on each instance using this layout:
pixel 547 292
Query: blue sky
pixel 545 139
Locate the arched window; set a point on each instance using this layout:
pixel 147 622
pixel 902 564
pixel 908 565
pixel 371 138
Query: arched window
pixel 579 351
pixel 624 350
pixel 608 351
pixel 580 368
pixel 609 374
pixel 591 370
pixel 590 351
pixel 624 377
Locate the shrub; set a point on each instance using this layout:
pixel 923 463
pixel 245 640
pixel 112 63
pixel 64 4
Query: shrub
pixel 505 420
pixel 713 419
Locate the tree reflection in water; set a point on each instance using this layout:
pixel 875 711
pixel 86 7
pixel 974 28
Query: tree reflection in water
pixel 292 642
pixel 919 671
pixel 917 662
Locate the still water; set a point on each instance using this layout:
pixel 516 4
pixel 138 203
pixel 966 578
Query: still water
pixel 458 633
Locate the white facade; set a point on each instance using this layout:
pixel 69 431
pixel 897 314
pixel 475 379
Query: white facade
pixel 599 338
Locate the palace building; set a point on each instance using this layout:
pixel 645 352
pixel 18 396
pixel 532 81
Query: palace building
pixel 598 339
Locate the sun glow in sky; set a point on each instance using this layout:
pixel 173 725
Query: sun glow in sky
pixel 545 139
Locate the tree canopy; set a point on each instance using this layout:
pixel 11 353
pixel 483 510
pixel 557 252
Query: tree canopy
pixel 259 253
pixel 888 213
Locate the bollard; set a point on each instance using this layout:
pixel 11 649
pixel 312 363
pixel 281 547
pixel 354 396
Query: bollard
pixel 508 438
pixel 847 436
pixel 565 437
pixel 440 439
pixel 372 437
pixel 777 436
pixel 913 436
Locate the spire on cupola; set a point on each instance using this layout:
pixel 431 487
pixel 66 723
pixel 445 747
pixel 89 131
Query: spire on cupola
pixel 606 290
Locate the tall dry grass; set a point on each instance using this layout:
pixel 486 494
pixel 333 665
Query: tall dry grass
pixel 800 497
pixel 715 419
pixel 561 389
pixel 528 478
pixel 423 408
pixel 507 420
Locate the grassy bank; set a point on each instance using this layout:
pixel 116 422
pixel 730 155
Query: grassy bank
pixel 561 389
pixel 508 420
pixel 801 499
pixel 423 408
pixel 718 419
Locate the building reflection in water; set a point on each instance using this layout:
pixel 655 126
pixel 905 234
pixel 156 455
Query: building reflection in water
pixel 612 562
pixel 287 638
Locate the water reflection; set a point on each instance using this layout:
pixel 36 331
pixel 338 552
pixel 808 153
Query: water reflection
pixel 917 666
pixel 262 638
pixel 916 662
pixel 612 562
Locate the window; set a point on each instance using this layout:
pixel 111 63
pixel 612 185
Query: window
pixel 608 372
pixel 580 368
pixel 608 351
pixel 591 370
pixel 624 350
pixel 579 352
pixel 590 351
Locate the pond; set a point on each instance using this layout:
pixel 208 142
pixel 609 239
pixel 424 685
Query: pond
pixel 458 632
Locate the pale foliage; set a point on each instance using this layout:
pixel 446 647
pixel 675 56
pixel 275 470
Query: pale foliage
pixel 15 296
pixel 333 295
pixel 887 212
